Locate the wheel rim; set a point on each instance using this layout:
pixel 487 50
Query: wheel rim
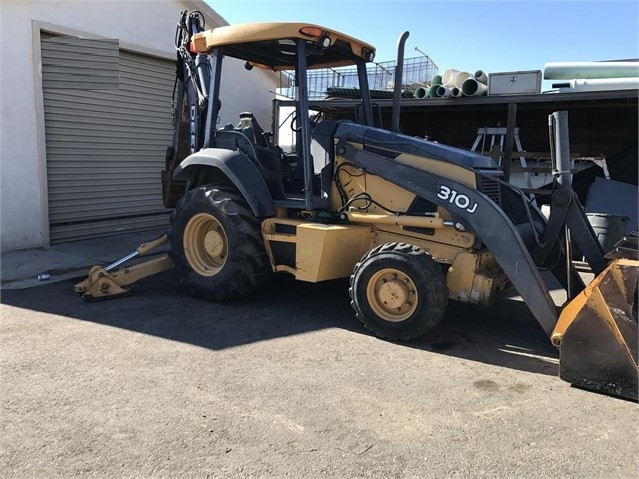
pixel 205 244
pixel 392 295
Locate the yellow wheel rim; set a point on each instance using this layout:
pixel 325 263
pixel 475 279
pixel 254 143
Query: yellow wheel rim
pixel 392 295
pixel 205 244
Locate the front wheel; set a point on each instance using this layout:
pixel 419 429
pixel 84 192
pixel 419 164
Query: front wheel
pixel 398 291
pixel 216 244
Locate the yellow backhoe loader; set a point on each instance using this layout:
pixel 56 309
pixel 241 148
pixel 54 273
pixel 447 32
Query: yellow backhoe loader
pixel 413 223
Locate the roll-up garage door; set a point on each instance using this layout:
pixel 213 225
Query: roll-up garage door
pixel 107 126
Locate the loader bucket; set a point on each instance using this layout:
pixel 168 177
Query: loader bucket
pixel 597 333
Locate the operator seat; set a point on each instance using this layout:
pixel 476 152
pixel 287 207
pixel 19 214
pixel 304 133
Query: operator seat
pixel 249 138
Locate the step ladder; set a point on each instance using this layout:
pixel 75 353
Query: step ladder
pixel 497 136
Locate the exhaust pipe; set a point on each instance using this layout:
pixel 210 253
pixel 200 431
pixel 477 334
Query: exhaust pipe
pixel 399 73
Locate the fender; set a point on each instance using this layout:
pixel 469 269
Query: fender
pixel 238 168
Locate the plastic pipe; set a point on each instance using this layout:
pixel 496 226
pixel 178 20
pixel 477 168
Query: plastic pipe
pixel 599 84
pixel 421 92
pixel 456 92
pixel 448 78
pixel 443 91
pixel 574 70
pixel 481 77
pixel 472 87
pixel 437 80
pixel 432 93
pixel 460 78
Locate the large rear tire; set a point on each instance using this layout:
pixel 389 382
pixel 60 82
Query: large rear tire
pixel 216 244
pixel 398 291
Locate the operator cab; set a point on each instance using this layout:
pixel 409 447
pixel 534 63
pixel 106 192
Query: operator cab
pixel 298 174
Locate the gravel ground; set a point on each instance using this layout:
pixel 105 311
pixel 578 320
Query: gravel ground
pixel 287 383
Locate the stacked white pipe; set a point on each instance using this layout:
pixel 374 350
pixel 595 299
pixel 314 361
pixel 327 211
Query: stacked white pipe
pixel 477 85
pixel 455 83
pixel 593 76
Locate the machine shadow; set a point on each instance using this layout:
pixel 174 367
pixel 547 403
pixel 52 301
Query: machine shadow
pixel 506 335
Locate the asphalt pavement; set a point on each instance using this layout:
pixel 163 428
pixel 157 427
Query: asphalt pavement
pixel 284 383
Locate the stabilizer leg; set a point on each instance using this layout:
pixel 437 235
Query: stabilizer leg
pixel 108 283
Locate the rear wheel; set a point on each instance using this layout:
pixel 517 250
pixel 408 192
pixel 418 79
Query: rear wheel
pixel 216 244
pixel 398 291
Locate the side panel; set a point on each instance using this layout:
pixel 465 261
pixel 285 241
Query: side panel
pixel 238 168
pixel 329 251
pixel 314 252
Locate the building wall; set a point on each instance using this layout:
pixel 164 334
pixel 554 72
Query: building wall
pixel 142 26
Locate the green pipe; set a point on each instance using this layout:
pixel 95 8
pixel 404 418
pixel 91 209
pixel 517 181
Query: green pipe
pixel 421 92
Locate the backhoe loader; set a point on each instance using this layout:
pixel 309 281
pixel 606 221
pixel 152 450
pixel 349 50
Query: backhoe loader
pixel 412 222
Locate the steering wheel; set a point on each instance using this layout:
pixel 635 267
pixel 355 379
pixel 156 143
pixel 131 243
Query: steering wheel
pixel 314 119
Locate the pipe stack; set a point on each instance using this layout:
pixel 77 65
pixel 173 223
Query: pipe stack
pixel 593 76
pixel 454 84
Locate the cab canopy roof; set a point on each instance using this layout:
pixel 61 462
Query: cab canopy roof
pixel 272 45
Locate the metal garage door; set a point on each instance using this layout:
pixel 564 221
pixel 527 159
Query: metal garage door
pixel 107 126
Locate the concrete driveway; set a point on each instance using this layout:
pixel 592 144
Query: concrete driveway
pixel 288 384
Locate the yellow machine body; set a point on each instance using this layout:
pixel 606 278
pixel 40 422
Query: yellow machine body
pixel 412 222
pixel 314 252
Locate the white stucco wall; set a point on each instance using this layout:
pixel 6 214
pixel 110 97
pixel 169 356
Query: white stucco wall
pixel 145 26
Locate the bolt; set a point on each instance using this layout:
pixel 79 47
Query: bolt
pixel 394 276
pixel 104 286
